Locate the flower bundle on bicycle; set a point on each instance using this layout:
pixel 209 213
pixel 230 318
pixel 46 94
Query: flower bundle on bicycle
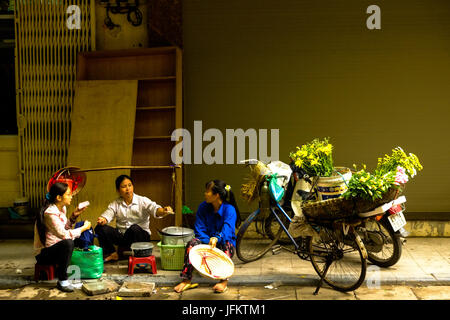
pixel 315 158
pixel 364 191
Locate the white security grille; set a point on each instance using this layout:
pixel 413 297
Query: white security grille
pixel 46 54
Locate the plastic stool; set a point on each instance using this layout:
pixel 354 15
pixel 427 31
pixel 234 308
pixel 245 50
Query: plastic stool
pixel 47 268
pixel 133 261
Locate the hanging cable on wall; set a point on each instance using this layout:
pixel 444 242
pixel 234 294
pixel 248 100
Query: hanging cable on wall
pixel 130 8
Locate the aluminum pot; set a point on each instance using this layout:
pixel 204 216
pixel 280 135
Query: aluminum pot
pixel 176 235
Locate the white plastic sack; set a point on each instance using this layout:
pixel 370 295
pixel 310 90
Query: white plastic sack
pixel 281 169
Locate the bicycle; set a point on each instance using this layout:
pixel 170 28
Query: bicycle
pixel 336 252
pixel 383 243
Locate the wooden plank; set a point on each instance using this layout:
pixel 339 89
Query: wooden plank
pixel 155 123
pixel 102 135
pixel 152 152
pixel 114 65
pixel 153 93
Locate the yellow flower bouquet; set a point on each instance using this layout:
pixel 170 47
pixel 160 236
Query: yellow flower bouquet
pixel 315 158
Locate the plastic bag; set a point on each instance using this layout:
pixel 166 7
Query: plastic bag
pixel 276 191
pixel 90 262
pixel 86 238
pixel 281 169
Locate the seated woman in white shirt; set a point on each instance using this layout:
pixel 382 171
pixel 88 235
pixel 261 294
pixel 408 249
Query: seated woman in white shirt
pixel 132 213
pixel 54 234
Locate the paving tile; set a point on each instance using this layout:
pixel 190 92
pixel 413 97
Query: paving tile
pixel 248 271
pixel 385 293
pixel 442 276
pixel 136 289
pixel 261 293
pixel 325 293
pixel 278 269
pixel 203 292
pixel 432 293
pixel 165 293
pixel 7 294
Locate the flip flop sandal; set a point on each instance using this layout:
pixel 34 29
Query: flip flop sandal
pixel 110 260
pixel 189 286
pixel 221 291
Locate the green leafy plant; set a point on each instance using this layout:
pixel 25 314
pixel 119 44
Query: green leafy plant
pixel 392 171
pixel 399 158
pixel 186 210
pixel 369 186
pixel 315 157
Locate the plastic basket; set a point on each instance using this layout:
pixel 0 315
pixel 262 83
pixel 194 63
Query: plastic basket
pixel 172 256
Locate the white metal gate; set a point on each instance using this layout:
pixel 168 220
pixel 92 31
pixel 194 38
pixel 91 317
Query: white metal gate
pixel 46 52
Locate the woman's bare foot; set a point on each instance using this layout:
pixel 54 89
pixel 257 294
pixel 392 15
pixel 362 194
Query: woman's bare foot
pixel 112 257
pixel 221 287
pixel 181 285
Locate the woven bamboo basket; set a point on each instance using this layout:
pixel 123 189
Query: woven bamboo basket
pixel 339 208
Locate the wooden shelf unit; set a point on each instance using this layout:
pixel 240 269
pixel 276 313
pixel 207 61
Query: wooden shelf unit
pixel 158 113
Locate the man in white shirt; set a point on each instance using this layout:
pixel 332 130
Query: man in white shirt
pixel 132 213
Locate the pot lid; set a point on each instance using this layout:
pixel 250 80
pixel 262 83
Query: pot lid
pixel 177 231
pixel 141 245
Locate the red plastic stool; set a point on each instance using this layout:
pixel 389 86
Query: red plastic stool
pixel 133 261
pixel 48 269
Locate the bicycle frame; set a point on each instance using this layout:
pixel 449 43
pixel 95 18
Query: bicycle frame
pixel 297 247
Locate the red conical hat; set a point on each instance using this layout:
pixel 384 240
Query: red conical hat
pixel 75 179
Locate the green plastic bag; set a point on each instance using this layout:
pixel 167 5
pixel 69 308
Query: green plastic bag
pixel 276 191
pixel 89 262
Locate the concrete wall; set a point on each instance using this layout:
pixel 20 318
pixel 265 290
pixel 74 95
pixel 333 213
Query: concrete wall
pixel 313 69
pixel 9 170
pixel 124 37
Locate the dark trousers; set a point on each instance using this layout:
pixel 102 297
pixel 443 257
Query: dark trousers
pixel 58 254
pixel 109 236
pixel 188 268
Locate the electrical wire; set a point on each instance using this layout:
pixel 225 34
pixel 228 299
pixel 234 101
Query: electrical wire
pixel 134 15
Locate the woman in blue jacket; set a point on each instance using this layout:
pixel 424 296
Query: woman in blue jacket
pixel 215 224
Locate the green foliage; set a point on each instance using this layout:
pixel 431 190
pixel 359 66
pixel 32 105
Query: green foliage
pixel 387 175
pixel 369 186
pixel 186 210
pixel 399 158
pixel 315 158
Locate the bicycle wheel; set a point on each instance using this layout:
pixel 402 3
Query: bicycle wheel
pixel 388 246
pixel 342 265
pixel 252 240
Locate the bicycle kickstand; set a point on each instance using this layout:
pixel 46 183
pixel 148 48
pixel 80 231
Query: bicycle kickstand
pixel 328 263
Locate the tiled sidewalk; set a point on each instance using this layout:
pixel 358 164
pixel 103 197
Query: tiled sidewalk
pixel 424 260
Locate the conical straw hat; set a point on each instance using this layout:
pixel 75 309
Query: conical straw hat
pixel 211 262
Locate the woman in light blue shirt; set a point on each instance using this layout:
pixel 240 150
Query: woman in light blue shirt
pixel 216 221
